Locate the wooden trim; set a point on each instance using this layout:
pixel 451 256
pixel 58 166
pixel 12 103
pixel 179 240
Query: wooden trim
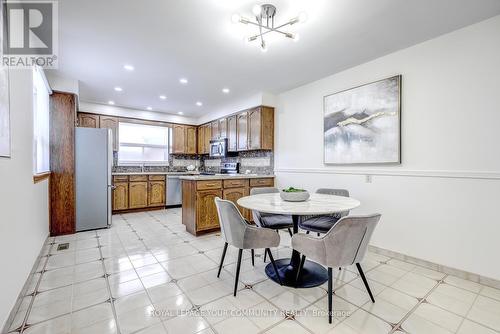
pixel 40 177
pixel 62 163
pixel 147 208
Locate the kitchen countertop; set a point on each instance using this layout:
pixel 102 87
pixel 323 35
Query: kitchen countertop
pixel 224 177
pixel 156 173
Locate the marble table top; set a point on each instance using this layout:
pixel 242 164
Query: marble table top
pixel 317 204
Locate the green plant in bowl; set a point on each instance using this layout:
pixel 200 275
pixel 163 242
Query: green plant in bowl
pixel 292 194
pixel 293 190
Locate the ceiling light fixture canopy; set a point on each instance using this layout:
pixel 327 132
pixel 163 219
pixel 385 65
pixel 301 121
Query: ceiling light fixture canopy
pixel 264 15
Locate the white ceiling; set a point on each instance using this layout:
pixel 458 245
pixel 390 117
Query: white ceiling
pixel 166 40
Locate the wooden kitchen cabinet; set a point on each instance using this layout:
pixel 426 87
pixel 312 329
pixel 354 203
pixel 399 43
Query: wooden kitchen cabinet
pixel 207 217
pixel 107 122
pixel 88 120
pixel 199 213
pixel 179 138
pixel 138 191
pixel 223 128
pixel 208 137
pixel 156 193
pixel 261 128
pixel 184 139
pixel 138 195
pixel 201 140
pixel 242 131
pixel 215 130
pixel 120 196
pixel 231 134
pixel 190 140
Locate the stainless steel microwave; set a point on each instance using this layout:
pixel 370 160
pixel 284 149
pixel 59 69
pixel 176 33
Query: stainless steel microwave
pixel 218 148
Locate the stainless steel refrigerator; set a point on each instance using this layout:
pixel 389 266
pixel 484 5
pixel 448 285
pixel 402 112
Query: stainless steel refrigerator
pixel 93 163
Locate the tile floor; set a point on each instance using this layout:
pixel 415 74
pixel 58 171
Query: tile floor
pixel 148 275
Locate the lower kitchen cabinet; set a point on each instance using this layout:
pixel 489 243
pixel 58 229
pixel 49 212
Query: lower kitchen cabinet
pixel 120 196
pixel 138 195
pixel 199 213
pixel 156 193
pixel 138 191
pixel 207 218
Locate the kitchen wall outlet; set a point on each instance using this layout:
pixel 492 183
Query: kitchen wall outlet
pixel 368 179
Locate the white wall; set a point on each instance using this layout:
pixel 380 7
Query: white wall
pixel 441 203
pixel 24 213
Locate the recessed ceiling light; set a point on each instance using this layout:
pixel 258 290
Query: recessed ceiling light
pixel 163 97
pixel 199 104
pixel 149 108
pixel 180 113
pixel 128 67
pixel 118 89
pixel 183 81
pixel 111 103
pixel 225 90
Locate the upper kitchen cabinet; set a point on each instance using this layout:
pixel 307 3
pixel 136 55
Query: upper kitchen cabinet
pixel 88 120
pixel 107 122
pixel 190 140
pixel 179 138
pixel 231 134
pixel 208 137
pixel 223 128
pixel 242 131
pixel 215 130
pixel 261 128
pixel 201 139
pixel 184 139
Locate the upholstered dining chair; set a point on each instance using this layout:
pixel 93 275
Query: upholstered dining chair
pixel 345 244
pixel 323 223
pixel 270 220
pixel 238 233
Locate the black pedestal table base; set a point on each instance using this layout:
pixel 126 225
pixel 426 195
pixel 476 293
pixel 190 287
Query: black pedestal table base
pixel 312 274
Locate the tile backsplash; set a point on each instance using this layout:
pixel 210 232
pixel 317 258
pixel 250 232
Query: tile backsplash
pixel 256 162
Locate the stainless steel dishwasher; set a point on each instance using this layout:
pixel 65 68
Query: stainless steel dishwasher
pixel 174 191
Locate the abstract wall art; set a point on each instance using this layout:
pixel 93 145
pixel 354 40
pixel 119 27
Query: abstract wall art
pixel 362 125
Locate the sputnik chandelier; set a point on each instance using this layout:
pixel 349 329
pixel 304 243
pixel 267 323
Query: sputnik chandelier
pixel 264 17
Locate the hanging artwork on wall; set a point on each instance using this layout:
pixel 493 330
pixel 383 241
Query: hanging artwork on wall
pixel 4 113
pixel 362 125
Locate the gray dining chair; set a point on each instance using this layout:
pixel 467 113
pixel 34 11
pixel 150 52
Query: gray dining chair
pixel 323 223
pixel 345 244
pixel 271 220
pixel 238 233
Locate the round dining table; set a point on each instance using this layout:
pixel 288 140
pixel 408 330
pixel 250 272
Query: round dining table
pixel 312 274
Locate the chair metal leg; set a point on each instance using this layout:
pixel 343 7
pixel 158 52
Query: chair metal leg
pixel 299 270
pixel 330 292
pixel 222 259
pixel 274 265
pixel 253 257
pixel 362 274
pixel 290 232
pixel 237 277
pixel 265 255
